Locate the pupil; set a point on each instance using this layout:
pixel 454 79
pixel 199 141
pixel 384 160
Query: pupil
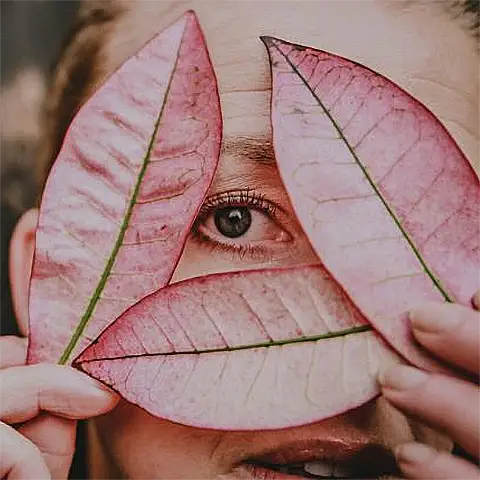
pixel 233 222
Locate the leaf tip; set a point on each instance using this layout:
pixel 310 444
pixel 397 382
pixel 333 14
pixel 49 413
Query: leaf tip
pixel 191 15
pixel 268 41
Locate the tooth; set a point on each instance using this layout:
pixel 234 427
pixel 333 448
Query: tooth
pixel 321 469
pixel 340 471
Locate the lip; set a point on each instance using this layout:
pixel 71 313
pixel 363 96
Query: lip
pixel 370 460
pixel 335 450
pixel 260 473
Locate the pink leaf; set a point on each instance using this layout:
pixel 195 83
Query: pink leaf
pixel 124 191
pixel 390 203
pixel 247 350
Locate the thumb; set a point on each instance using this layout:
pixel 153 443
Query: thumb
pixel 55 438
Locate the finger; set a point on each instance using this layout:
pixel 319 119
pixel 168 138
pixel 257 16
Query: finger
pixel 55 438
pixel 476 300
pixel 27 390
pixel 13 351
pixel 446 403
pixel 451 332
pixel 419 461
pixel 20 458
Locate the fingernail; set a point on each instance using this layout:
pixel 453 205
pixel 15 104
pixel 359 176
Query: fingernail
pixel 430 320
pixel 401 377
pixel 100 387
pixel 413 453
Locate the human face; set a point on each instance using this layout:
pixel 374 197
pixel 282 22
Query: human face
pixel 400 40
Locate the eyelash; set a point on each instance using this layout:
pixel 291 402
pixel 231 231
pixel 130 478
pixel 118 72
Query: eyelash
pixel 234 198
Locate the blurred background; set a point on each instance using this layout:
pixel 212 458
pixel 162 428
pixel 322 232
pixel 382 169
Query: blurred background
pixel 32 32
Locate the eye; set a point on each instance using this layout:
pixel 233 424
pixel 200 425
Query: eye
pixel 233 222
pixel 239 222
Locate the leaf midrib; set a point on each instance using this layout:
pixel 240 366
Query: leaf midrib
pixel 123 228
pixel 270 344
pixel 376 189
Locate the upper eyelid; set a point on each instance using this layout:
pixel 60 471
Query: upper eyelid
pixel 246 197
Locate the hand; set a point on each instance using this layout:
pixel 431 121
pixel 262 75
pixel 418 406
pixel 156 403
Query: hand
pixel 39 407
pixel 448 403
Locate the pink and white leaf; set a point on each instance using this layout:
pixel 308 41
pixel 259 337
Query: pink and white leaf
pixel 388 200
pixel 131 175
pixel 248 350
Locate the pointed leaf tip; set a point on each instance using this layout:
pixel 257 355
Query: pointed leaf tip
pixel 191 12
pixel 267 40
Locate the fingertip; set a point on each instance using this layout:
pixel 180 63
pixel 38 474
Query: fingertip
pixel 111 396
pixel 432 318
pixel 476 301
pixel 419 461
pixel 414 453
pixel 104 397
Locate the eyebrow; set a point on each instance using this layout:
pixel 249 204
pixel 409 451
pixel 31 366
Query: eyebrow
pixel 257 149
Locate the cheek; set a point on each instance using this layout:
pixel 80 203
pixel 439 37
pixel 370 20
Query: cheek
pixel 142 446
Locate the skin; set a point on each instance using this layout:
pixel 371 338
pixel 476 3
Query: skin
pixel 127 441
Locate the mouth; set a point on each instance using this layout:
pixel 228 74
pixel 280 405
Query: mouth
pixel 324 460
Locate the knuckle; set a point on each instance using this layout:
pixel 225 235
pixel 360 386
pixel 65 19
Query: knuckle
pixel 61 404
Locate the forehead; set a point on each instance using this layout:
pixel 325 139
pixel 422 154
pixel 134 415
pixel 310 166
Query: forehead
pixel 415 44
pixel 397 38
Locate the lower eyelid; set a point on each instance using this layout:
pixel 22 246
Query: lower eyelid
pixel 257 253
